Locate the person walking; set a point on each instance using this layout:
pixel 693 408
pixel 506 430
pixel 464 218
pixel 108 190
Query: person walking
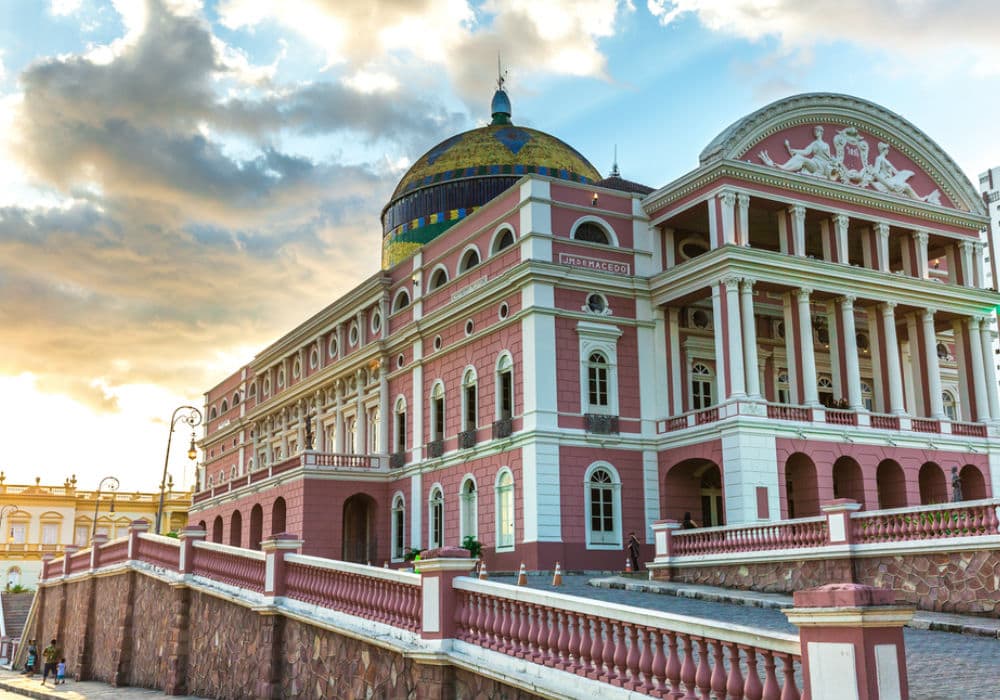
pixel 61 672
pixel 31 664
pixel 51 656
pixel 633 550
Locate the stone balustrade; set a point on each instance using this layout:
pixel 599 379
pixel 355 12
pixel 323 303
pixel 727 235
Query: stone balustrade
pixel 243 568
pixel 782 534
pixel 158 550
pixel 949 520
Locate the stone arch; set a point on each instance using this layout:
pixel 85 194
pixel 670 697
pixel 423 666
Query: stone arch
pixel 973 483
pixel 217 529
pixel 256 526
pixel 891 483
pixel 359 529
pixel 695 486
pixel 933 488
pixel 801 487
pixel 278 516
pixel 236 529
pixel 848 480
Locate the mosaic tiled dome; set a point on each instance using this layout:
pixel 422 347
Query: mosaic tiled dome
pixel 463 172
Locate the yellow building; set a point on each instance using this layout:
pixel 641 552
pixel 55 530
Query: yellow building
pixel 47 518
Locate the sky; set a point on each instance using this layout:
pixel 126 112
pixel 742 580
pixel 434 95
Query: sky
pixel 182 182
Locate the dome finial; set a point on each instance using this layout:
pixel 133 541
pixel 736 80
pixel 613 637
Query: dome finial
pixel 500 106
pixel 614 165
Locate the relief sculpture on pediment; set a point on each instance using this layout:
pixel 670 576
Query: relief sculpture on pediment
pixel 848 162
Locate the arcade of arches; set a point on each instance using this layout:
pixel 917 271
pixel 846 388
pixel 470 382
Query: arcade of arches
pixel 235 526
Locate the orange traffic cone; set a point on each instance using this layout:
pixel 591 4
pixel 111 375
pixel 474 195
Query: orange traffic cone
pixel 557 575
pixel 522 576
pixel 628 565
pixel 482 571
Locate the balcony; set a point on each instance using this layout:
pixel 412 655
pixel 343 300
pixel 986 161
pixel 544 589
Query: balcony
pixel 435 448
pixel 600 424
pixel 503 428
pixel 397 460
pixel 467 439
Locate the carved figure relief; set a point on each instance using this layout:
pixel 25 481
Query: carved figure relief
pixel 848 163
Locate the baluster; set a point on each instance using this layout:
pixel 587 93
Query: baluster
pixel 510 627
pixel 991 519
pixel 631 658
pixel 645 660
pixel 572 643
pixel 687 668
pixel 608 652
pixel 703 675
pixel 752 689
pixel 552 642
pixel 479 619
pixel 562 641
pixel 659 666
pixel 620 654
pixel 488 622
pixel 770 691
pixel 583 665
pixel 734 685
pixel 596 649
pixel 498 622
pixel 789 691
pixel 673 670
pixel 541 635
pixel 718 670
pixel 523 639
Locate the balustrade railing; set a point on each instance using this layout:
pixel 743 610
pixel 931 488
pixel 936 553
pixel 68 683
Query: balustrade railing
pixel 243 568
pixel 880 420
pixel 964 519
pixel 707 415
pixel 637 649
pixel 781 411
pixel 968 429
pixel 159 551
pixel 79 561
pixel 837 416
pixel 925 425
pixel 114 552
pixel 784 534
pixel 386 596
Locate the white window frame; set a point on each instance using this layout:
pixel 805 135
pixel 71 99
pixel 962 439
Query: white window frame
pixel 468 507
pixel 708 376
pixel 433 275
pixel 396 300
pixel 470 380
pixel 438 413
pixel 397 527
pixel 498 235
pixel 602 338
pixel 463 265
pixel 435 505
pixel 505 518
pixel 499 369
pixel 608 229
pixel 612 540
pixel 399 444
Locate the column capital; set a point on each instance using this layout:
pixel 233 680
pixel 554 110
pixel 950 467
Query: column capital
pixel 966 245
pixel 731 281
pixel 728 197
pixel 928 314
pixel 743 199
pixel 882 229
pixel 798 211
pixel 847 301
pixel 920 236
pixel 887 308
pixel 747 284
pixel 840 219
pixel 802 293
pixel 976 321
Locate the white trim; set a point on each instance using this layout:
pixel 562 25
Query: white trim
pixel 398 496
pixel 394 307
pixel 495 238
pixel 431 542
pixel 598 338
pixel 472 247
pixel 605 226
pixel 497 511
pixel 496 384
pixel 463 508
pixel 616 505
pixel 433 273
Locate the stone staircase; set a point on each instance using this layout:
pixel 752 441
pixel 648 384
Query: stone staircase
pixel 15 607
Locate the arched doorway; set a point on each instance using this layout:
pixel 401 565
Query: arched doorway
pixel 256 526
pixel 278 511
pixel 973 483
pixel 695 486
pixel 932 485
pixel 848 481
pixel 217 529
pixel 359 529
pixel 202 526
pixel 801 492
pixel 236 529
pixel 891 484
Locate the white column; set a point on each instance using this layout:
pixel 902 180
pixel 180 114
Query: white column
pixel 891 347
pixel 977 255
pixel 840 225
pixel 669 255
pixel 882 240
pixel 798 213
pixel 849 346
pixel 338 437
pixel 810 393
pixel 743 212
pixel 986 336
pixel 728 201
pixel 978 372
pixel 965 254
pixel 933 367
pixel 676 370
pixel 923 268
pixel 749 338
pixel 384 410
pixel 361 417
pixel 737 382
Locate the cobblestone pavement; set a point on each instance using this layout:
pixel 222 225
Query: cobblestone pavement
pixel 941 665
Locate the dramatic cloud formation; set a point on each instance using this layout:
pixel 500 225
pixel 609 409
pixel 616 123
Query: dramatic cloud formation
pixel 932 33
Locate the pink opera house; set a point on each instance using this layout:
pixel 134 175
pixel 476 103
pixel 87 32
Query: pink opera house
pixel 548 359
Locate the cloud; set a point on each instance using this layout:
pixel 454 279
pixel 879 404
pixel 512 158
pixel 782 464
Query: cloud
pixel 922 33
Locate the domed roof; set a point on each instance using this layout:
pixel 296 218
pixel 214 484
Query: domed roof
pixel 465 171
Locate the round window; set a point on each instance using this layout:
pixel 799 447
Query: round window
pixel 469 326
pixel 376 322
pixel 700 319
pixel 353 336
pixel 504 310
pixel 313 359
pixel 596 303
pixel 400 361
pixel 332 347
pixel 437 342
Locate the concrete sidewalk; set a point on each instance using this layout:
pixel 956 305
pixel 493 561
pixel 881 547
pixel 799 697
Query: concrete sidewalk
pixel 923 620
pixel 14 682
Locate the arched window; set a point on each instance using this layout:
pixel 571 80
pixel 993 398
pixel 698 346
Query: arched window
pixel 470 401
pixel 252 391
pixel 225 406
pixel 437 411
pixel 597 381
pixel 213 413
pixel 469 260
pixel 505 387
pixel 352 436
pixel 398 527
pixel 436 520
pixel 400 424
pixel 439 278
pixel 503 241
pixel 504 491
pixel 950 406
pixel 13 577
pixel 701 386
pixel 591 233
pixel 374 428
pixel 236 398
pixel 825 388
pixel 469 507
pixel 782 387
pixel 401 301
pixel 867 396
pixel 603 507
pixel 267 387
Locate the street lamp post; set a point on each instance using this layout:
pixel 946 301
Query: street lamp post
pixel 191 416
pixel 112 487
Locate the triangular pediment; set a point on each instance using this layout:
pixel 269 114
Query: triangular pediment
pixel 848 141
